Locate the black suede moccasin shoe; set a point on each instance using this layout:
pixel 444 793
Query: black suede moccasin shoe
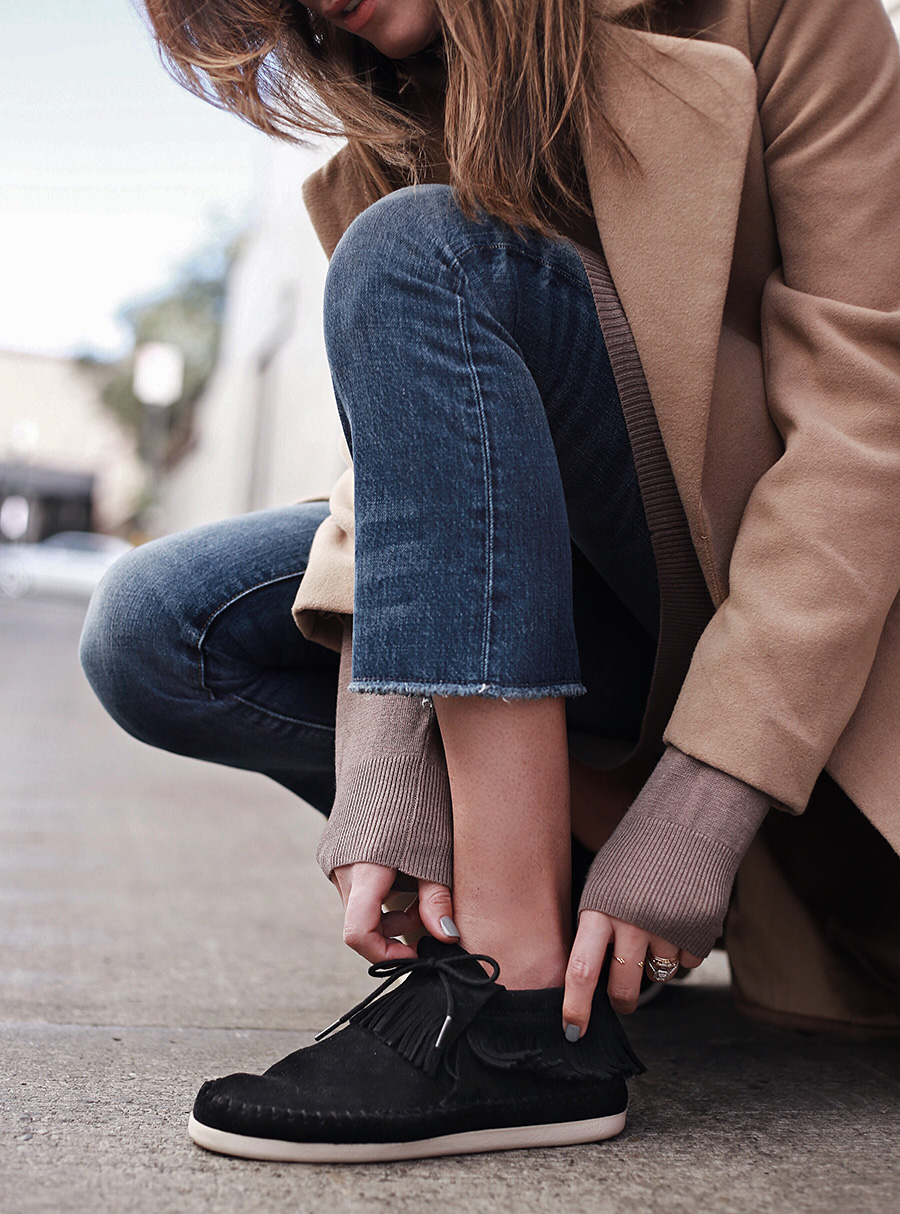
pixel 447 1063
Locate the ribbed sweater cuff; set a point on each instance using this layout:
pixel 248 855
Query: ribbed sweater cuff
pixel 392 800
pixel 669 865
pixel 631 879
pixel 393 810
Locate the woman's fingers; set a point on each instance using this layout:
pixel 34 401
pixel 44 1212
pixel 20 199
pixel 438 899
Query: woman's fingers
pixel 364 890
pixel 663 950
pixel 632 949
pixel 626 967
pixel 583 971
pixel 436 911
pixel 369 929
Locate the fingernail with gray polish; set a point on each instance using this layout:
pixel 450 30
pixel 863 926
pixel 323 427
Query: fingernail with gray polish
pixel 448 927
pixel 573 1032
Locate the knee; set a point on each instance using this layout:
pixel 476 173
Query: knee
pixel 110 617
pixel 393 242
pixel 129 634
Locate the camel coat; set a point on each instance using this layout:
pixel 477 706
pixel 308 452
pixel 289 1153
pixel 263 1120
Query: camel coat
pixel 757 258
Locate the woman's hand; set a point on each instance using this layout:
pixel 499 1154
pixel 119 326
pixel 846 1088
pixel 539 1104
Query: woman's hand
pixel 631 949
pixel 370 930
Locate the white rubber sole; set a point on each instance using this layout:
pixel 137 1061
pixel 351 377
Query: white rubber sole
pixel 507 1138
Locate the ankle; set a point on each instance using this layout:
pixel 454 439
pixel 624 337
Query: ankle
pixel 526 974
pixel 522 966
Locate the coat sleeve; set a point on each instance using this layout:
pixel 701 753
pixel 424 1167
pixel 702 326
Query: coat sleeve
pixel 816 565
pixel 334 195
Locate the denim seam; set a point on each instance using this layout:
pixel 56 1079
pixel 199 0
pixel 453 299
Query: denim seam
pixel 488 490
pixel 455 262
pixel 201 665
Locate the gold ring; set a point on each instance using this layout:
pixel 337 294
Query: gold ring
pixel 621 960
pixel 661 969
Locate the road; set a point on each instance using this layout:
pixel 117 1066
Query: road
pixel 163 921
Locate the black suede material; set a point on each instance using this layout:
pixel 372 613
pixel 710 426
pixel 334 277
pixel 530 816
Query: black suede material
pixel 509 1065
pixel 451 983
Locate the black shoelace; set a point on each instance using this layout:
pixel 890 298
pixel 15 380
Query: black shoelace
pixel 446 968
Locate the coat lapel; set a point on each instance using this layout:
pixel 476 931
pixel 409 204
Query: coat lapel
pixel 686 109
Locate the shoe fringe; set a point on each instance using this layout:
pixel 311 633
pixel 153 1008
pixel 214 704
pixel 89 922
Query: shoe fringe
pixel 604 1052
pixel 418 1033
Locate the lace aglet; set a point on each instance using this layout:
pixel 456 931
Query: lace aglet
pixel 445 1027
pixel 324 1033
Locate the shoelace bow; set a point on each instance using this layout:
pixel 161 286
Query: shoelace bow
pixel 445 968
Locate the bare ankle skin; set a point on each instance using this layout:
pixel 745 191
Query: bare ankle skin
pixel 509 778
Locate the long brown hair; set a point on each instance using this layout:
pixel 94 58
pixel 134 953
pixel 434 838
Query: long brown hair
pixel 519 77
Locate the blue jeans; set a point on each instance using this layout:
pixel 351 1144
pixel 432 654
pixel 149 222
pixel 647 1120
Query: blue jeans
pixel 501 548
pixel 479 404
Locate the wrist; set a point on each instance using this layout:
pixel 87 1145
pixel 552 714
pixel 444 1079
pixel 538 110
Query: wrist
pixel 392 795
pixel 669 866
pixel 664 879
pixel 392 810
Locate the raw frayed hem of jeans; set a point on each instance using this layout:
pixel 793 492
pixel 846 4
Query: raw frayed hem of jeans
pixel 490 691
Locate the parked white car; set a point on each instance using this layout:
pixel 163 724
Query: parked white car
pixel 70 563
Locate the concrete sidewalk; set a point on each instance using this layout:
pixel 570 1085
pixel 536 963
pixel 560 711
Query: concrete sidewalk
pixel 163 922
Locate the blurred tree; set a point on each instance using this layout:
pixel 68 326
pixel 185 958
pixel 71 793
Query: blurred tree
pixel 188 313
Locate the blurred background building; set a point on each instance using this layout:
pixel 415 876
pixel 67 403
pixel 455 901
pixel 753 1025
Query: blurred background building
pixel 265 430
pixel 133 215
pixel 63 456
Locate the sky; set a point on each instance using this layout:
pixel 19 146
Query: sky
pixel 110 174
